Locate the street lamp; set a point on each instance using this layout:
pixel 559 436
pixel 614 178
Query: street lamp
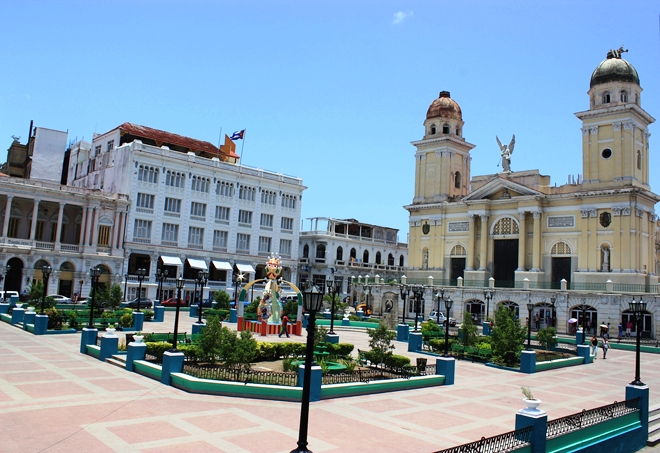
pixel 238 280
pixel 488 295
pixel 81 283
pixel 161 276
pixel 448 304
pixel 180 282
pixel 94 273
pixel 440 295
pixel 584 322
pixel 553 299
pixel 312 302
pixel 638 309
pixel 202 278
pixel 141 273
pixel 332 292
pixel 4 295
pixel 418 293
pixel 530 307
pixel 405 292
pixel 45 272
pixel 125 285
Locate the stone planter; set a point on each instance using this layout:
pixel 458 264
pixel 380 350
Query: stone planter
pixel 138 338
pixel 532 405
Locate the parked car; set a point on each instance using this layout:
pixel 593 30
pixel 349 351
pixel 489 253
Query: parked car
pixel 59 299
pixel 171 302
pixel 9 295
pixel 434 316
pixel 144 303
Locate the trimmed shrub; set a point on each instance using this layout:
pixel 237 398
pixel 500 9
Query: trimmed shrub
pixel 396 361
pixel 126 320
pixel 341 350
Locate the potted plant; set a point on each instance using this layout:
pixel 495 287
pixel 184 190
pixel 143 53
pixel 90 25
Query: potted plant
pixel 110 330
pixel 138 337
pixel 529 400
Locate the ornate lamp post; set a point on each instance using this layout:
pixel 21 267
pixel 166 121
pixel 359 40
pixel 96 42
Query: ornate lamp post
pixel 367 292
pixel 4 295
pixel 332 292
pixel 94 274
pixel 161 276
pixel 45 272
pixel 202 278
pixel 638 309
pixel 553 299
pixel 440 295
pixel 448 304
pixel 141 273
pixel 418 293
pixel 584 322
pixel 238 280
pixel 530 307
pixel 312 302
pixel 405 292
pixel 81 283
pixel 488 295
pixel 180 283
pixel 125 285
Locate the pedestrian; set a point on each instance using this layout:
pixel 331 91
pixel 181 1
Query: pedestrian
pixel 285 322
pixel 537 321
pixel 187 300
pixel 606 346
pixel 629 326
pixel 594 347
pixel 588 326
pixel 620 329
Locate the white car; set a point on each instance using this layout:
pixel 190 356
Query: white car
pixel 59 299
pixel 434 316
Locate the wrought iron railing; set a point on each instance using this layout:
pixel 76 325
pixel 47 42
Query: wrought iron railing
pixel 377 374
pixel 513 440
pixel 591 417
pixel 289 379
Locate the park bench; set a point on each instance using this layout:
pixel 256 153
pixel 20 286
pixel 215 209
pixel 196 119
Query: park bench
pixel 457 349
pixel 195 338
pixel 433 335
pixel 362 358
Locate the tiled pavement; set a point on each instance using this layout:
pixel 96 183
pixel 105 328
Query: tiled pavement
pixel 54 399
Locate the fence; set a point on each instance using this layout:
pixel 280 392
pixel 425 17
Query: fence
pixel 591 417
pixel 242 375
pixel 376 374
pixel 510 441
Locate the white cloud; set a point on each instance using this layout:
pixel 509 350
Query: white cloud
pixel 400 16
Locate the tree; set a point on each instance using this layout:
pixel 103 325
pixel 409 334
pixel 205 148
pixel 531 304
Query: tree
pixel 508 335
pixel 210 342
pixel 380 342
pixel 221 299
pixel 547 337
pixel 468 330
pixel 35 295
pixel 116 295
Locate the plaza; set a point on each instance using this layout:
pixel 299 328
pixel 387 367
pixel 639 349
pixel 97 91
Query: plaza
pixel 52 398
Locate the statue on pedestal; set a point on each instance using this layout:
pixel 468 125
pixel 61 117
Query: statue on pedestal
pixel 506 151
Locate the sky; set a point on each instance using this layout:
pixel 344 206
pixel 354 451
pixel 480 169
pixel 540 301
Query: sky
pixel 332 92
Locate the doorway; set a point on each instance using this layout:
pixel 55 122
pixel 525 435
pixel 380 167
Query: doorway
pixel 561 269
pixel 457 268
pixel 505 262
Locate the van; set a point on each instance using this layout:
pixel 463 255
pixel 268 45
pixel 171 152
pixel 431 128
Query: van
pixel 10 294
pixel 287 297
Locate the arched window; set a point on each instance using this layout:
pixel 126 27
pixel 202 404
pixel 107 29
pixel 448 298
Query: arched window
pixel 320 251
pixel 365 256
pixel 306 251
pixel 458 131
pixel 401 261
pixel 639 160
pixel 560 248
pixel 433 129
pixel 390 260
pixel 457 180
pixel 506 225
pixel 458 250
pixel 340 253
pixel 624 96
pixel 606 97
pixel 445 128
pixel 378 258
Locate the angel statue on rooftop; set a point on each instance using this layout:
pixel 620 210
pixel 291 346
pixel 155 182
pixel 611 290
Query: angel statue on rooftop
pixel 506 150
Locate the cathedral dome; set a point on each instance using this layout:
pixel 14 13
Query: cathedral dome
pixel 444 107
pixel 614 69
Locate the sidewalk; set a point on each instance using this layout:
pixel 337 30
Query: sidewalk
pixel 54 399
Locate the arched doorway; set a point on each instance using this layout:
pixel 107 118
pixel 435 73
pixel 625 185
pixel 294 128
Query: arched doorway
pixel 647 323
pixel 561 263
pixel 14 278
pixel 512 305
pixel 477 310
pixel 505 251
pixel 591 319
pixel 65 287
pixel 458 257
pixel 542 316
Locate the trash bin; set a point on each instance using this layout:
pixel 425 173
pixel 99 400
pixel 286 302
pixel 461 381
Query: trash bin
pixel 421 365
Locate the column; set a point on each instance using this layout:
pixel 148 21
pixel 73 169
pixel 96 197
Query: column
pixel 94 231
pixel 113 232
pixel 83 221
pixel 35 215
pixel 615 255
pixel 536 261
pixel 583 245
pixel 439 229
pixel 522 241
pixel 470 249
pixel 60 213
pixel 483 249
pixel 5 226
pixel 120 232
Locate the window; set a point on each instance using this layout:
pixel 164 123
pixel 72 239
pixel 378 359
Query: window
pixel 39 234
pixel 245 217
pixel 97 151
pixel 145 202
pixel 246 193
pixel 365 256
pixel 267 221
pixel 220 239
pixel 110 145
pixel 639 160
pixel 195 237
pixel 172 207
pixel 264 244
pixel 197 211
pixel 340 253
pixel 287 223
pixel 432 129
pixel 285 247
pixel 624 96
pixel 148 174
pixel 268 197
pixel 606 97
pixel 200 184
pixel 390 260
pixel 506 226
pixel 104 236
pixel 306 251
pixel 320 251
pixel 445 128
pixel 225 189
pixel 170 234
pixel 175 179
pixel 221 214
pixel 288 201
pixel 606 153
pixel 142 230
pixel 243 242
pixel 457 180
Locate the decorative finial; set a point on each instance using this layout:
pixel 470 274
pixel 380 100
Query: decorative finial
pixel 616 53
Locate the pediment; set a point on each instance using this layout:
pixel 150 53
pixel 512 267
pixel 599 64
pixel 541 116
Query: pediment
pixel 500 188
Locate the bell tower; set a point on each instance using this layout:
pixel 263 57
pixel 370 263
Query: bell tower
pixel 442 160
pixel 615 137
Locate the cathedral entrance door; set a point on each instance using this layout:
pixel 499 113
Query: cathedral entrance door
pixel 457 268
pixel 561 269
pixel 505 262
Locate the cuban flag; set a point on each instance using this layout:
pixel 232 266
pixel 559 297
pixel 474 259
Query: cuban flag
pixel 238 135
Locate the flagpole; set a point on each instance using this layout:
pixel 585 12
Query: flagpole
pixel 219 140
pixel 243 144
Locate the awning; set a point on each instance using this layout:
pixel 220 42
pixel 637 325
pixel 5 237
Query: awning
pixel 171 260
pixel 245 268
pixel 197 264
pixel 222 265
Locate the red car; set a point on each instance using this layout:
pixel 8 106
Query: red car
pixel 171 302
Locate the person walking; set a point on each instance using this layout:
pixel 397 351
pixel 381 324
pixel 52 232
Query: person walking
pixel 629 327
pixel 285 322
pixel 594 347
pixel 620 329
pixel 606 346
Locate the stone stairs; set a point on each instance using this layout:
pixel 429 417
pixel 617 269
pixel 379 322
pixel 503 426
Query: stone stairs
pixel 118 360
pixel 654 426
